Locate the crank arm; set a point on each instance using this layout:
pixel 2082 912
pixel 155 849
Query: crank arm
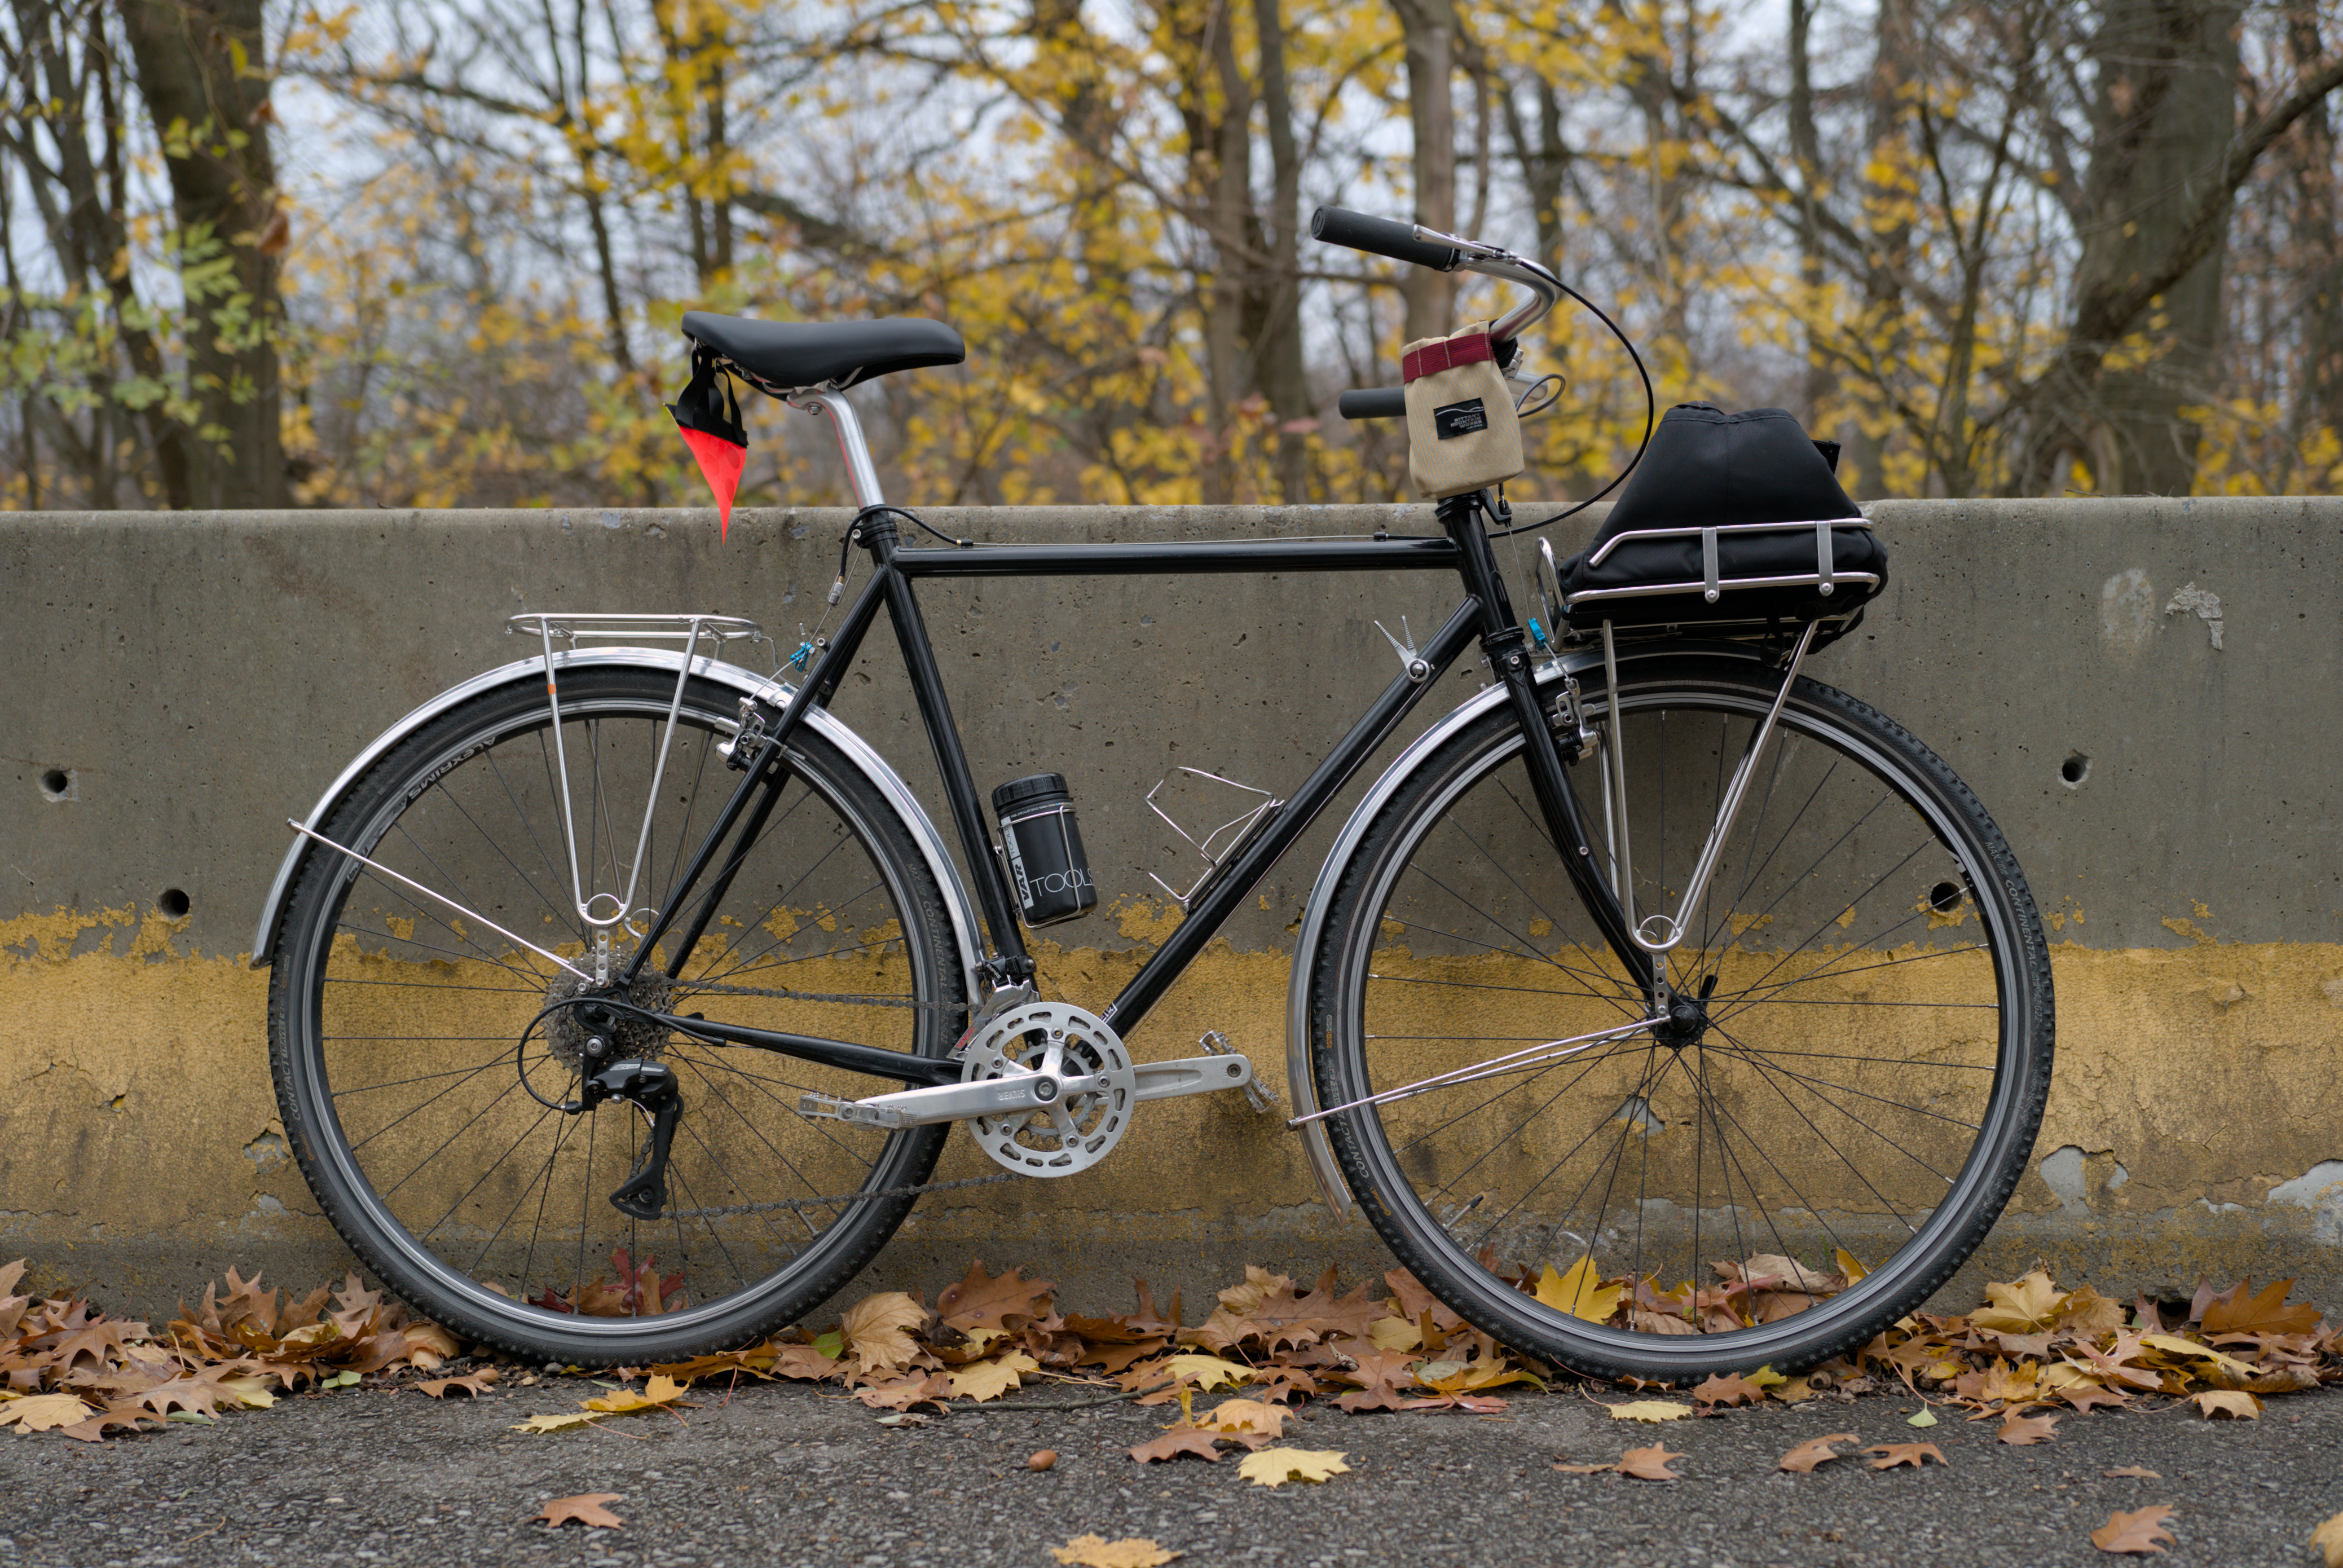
pixel 1190 1075
pixel 1004 1096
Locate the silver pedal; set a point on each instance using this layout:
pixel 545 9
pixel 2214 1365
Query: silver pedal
pixel 1260 1098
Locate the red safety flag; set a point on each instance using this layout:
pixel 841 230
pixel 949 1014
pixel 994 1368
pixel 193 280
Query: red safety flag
pixel 709 414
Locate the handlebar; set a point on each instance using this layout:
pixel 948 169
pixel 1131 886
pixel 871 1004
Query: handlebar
pixel 1380 236
pixel 1372 403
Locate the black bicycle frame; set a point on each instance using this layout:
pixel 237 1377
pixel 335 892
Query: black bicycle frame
pixel 1485 616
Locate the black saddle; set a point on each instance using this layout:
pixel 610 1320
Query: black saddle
pixel 786 353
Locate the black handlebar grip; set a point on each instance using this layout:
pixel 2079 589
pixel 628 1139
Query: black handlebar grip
pixel 1372 403
pixel 1380 236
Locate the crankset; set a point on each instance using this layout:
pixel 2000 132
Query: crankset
pixel 1046 1087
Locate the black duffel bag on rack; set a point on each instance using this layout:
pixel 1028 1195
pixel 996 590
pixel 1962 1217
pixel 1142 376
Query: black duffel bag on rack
pixel 1733 523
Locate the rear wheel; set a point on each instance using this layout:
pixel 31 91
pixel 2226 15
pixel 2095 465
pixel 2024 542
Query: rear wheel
pixel 1803 1161
pixel 435 1112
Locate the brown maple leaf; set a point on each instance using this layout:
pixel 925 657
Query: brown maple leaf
pixel 2136 1531
pixel 105 1421
pixel 982 1301
pixel 1415 1302
pixel 902 1394
pixel 1378 1377
pixel 2086 1398
pixel 1182 1439
pixel 586 1509
pixel 2235 1312
pixel 1728 1388
pixel 1914 1454
pixel 1815 1450
pixel 1649 1463
pixel 2020 1430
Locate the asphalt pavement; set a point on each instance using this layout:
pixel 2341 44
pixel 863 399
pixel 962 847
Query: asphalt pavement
pixel 783 1474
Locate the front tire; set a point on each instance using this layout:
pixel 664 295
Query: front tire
pixel 424 1106
pixel 1814 1161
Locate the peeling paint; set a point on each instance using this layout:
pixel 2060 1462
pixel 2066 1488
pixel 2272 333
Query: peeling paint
pixel 2128 611
pixel 2204 604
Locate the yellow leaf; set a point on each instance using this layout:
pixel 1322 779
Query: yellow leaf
pixel 981 1380
pixel 2236 1406
pixel 1093 1552
pixel 1652 1410
pixel 2186 1350
pixel 659 1391
pixel 1248 1417
pixel 1848 1266
pixel 42 1411
pixel 1206 1373
pixel 2024 1307
pixel 1764 1377
pixel 2328 1539
pixel 1579 1293
pixel 555 1422
pixel 1394 1334
pixel 1276 1467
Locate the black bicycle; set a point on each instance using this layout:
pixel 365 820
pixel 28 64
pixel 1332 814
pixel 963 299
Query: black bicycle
pixel 1666 1010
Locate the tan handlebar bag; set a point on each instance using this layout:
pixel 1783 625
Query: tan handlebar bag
pixel 1462 431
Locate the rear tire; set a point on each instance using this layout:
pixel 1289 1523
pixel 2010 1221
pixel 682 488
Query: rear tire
pixel 414 1088
pixel 1873 1055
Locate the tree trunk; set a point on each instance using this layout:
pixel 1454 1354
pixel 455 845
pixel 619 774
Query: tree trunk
pixel 1806 151
pixel 1277 336
pixel 1428 29
pixel 2166 110
pixel 201 71
pixel 1888 114
pixel 2318 402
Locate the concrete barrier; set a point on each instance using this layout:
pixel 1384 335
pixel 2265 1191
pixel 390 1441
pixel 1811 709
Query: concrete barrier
pixel 2141 691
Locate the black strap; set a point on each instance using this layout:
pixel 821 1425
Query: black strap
pixel 707 402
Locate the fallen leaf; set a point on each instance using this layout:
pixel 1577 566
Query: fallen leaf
pixel 920 1388
pixel 1093 1552
pixel 1276 1467
pixel 586 1509
pixel 1180 1438
pixel 1728 1388
pixel 981 1380
pixel 1250 1417
pixel 1924 1417
pixel 99 1425
pixel 1587 1469
pixel 2236 1406
pixel 1649 1463
pixel 1580 1292
pixel 1394 1334
pixel 2021 1430
pixel 1379 1375
pixel 556 1422
pixel 2136 1531
pixel 2023 1308
pixel 1207 1372
pixel 1042 1461
pixel 1651 1410
pixel 479 1382
pixel 2235 1311
pixel 2328 1539
pixel 2131 1472
pixel 1793 1391
pixel 980 1301
pixel 879 1330
pixel 1815 1450
pixel 42 1412
pixel 657 1392
pixel 1912 1454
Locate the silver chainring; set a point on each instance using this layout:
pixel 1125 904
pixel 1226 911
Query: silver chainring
pixel 1061 1040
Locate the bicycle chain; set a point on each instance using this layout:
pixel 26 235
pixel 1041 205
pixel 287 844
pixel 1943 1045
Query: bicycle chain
pixel 840 1199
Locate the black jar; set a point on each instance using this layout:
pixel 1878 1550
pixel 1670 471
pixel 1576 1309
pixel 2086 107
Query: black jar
pixel 1047 869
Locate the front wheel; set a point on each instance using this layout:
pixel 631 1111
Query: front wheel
pixel 428 1068
pixel 1830 1130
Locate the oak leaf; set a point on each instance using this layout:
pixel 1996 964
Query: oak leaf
pixel 1728 1389
pixel 1802 1460
pixel 1580 1292
pixel 1179 1439
pixel 981 1301
pixel 981 1381
pixel 2235 1403
pixel 1095 1551
pixel 1914 1454
pixel 42 1412
pixel 2136 1531
pixel 586 1509
pixel 1649 1410
pixel 879 1330
pixel 2021 1430
pixel 1276 1467
pixel 2328 1539
pixel 1649 1463
pixel 478 1383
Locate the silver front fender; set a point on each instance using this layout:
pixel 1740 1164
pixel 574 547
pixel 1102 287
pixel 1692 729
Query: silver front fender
pixel 873 767
pixel 1304 1087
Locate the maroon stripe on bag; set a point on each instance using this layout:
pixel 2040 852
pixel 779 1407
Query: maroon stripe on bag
pixel 1446 355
